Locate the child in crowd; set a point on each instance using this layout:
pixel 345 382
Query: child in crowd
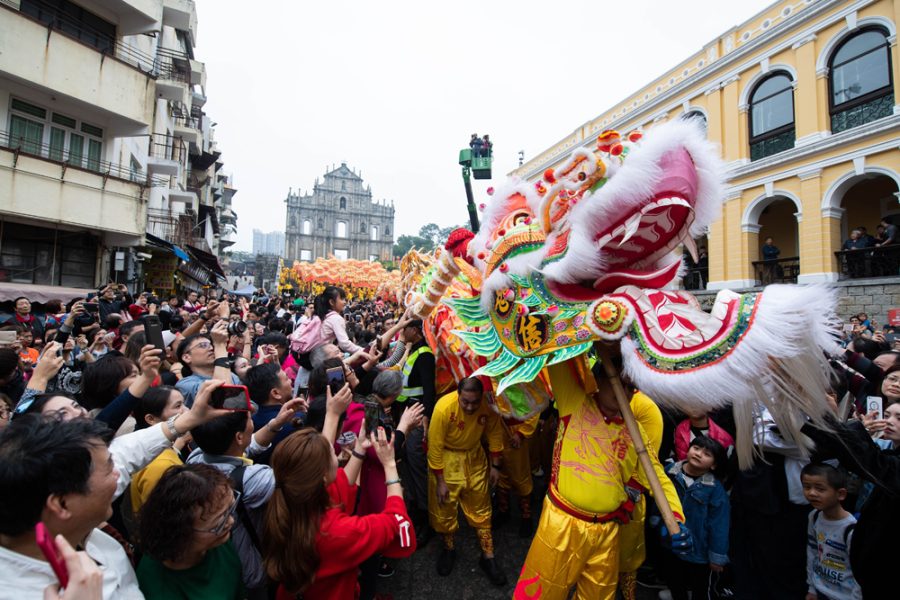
pixel 707 513
pixel 698 423
pixel 829 535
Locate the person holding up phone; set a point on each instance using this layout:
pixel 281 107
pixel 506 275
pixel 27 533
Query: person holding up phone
pixel 63 472
pixel 229 443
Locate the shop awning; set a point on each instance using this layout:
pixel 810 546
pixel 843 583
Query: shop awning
pixel 41 293
pixel 207 260
pixel 161 243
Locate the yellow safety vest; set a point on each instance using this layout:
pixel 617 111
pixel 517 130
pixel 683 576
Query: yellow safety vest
pixel 412 392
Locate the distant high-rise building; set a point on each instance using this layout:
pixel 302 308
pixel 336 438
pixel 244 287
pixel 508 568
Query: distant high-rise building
pixel 339 218
pixel 268 243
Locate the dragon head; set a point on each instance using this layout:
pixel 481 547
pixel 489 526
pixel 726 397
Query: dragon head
pixel 607 217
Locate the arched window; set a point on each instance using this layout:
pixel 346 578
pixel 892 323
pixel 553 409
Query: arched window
pixel 341 229
pixel 362 228
pixel 307 227
pixel 860 85
pixel 387 232
pixel 321 224
pixel 293 221
pixel 697 116
pixel 772 116
pixel 343 203
pixel 374 233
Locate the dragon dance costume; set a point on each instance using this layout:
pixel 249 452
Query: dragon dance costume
pixel 589 254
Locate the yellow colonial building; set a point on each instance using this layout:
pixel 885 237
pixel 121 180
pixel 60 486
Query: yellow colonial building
pixel 803 100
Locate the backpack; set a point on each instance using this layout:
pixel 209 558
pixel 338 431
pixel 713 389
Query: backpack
pixel 304 339
pixel 307 337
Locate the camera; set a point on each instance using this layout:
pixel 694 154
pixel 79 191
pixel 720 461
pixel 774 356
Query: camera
pixel 237 328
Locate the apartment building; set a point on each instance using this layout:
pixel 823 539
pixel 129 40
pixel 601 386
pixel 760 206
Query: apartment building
pixel 802 100
pixel 108 164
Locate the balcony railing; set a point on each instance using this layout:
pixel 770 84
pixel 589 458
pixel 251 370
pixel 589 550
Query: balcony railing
pixel 168 147
pixel 176 229
pixel 54 17
pixel 186 121
pixel 78 160
pixel 782 270
pixel 869 262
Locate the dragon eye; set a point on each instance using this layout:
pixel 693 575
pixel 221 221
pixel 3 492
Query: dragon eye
pixel 582 176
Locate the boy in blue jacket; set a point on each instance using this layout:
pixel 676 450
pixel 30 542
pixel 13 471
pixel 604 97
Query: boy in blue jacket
pixel 706 510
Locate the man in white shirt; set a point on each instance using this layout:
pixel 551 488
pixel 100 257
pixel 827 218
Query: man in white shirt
pixel 59 473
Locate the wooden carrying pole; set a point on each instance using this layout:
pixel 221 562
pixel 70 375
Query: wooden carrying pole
pixel 643 457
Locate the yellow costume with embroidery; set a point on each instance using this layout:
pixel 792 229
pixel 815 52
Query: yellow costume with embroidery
pixel 454 450
pixel 577 542
pixel 516 474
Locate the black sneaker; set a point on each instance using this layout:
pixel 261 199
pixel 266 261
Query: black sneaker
pixel 489 566
pixel 385 570
pixel 526 528
pixel 446 560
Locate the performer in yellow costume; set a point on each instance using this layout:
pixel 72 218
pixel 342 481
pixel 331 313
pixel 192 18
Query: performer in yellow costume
pixel 594 482
pixel 458 472
pixel 516 475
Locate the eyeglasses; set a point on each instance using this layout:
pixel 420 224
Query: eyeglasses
pixel 203 345
pixel 222 525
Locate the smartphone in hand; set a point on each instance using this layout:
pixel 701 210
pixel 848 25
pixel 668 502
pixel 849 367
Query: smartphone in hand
pixel 153 329
pixel 48 548
pixel 231 397
pixel 336 378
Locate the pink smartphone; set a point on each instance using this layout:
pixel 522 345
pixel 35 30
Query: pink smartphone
pixel 48 547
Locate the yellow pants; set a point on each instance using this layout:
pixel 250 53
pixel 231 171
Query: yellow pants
pixel 632 550
pixel 568 552
pixel 466 476
pixel 516 474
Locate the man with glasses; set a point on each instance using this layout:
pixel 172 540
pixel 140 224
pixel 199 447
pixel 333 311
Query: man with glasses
pixel 204 357
pixel 61 474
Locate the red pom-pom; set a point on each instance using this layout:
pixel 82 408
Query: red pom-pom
pixel 490 191
pixel 504 267
pixel 482 206
pixel 458 243
pixel 549 177
pixel 501 232
pixel 635 136
pixel 481 256
pixel 616 149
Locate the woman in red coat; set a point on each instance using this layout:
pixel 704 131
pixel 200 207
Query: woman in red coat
pixel 313 545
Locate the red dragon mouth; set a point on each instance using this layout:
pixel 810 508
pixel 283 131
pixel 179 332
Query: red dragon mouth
pixel 635 248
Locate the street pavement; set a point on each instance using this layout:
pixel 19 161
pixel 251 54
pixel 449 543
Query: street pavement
pixel 416 578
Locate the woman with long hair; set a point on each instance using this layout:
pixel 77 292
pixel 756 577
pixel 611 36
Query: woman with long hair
pixel 311 543
pixel 185 530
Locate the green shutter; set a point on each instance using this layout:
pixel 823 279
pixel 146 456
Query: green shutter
pixel 76 149
pixel 25 134
pixel 57 143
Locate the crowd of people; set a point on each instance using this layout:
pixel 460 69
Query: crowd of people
pixel 280 447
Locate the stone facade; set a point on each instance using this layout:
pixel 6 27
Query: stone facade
pixel 339 218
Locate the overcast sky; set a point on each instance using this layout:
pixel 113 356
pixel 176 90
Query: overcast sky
pixel 396 88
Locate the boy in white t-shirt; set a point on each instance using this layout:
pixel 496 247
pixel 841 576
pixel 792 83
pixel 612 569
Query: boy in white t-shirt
pixel 829 535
